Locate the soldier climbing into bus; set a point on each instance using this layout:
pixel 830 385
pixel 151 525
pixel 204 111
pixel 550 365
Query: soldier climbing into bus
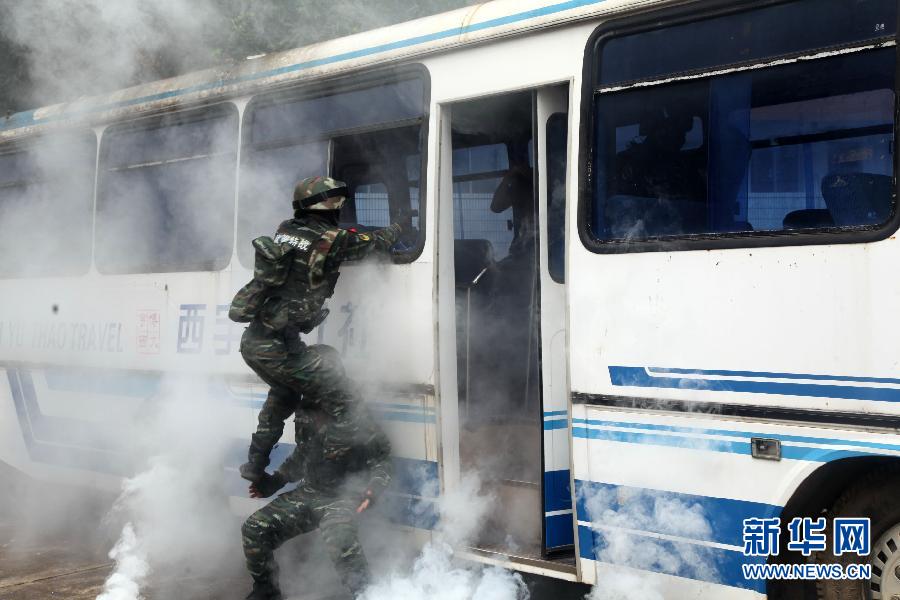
pixel 294 274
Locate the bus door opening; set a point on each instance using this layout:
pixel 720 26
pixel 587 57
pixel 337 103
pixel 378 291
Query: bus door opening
pixel 498 314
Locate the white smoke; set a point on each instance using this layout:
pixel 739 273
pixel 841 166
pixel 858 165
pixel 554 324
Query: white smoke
pixel 436 572
pixel 618 514
pixel 131 568
pixel 177 518
pixel 86 47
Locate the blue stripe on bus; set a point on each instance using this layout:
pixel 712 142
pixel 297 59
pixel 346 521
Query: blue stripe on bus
pixel 556 413
pixel 25 118
pixel 766 375
pixel 742 434
pixel 558 531
pixel 412 512
pixel 725 516
pixel 423 416
pixel 639 377
pixel 83 445
pixel 556 424
pixel 403 417
pixel 62 441
pixel 715 565
pixel 711 445
pixel 392 406
pixel 412 476
pixel 103 381
pixel 557 491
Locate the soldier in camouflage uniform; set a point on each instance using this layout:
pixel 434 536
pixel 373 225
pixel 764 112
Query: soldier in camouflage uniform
pixel 339 478
pixel 294 274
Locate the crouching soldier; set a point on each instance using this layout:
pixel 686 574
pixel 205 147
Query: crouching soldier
pixel 342 468
pixel 294 274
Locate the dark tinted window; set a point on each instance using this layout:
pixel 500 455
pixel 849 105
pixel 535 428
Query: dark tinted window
pixel 746 37
pixel 807 145
pixel 46 202
pixel 166 197
pixel 305 118
pixel 367 137
pixel 557 137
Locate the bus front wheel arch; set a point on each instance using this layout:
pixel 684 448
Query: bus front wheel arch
pixel 816 496
pixel 875 496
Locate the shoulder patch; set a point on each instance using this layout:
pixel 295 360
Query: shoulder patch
pixel 364 236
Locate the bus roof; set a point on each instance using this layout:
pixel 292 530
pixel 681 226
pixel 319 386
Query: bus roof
pixel 387 45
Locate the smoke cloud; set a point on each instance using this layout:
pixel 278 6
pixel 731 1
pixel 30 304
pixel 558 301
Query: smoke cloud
pixel 177 518
pixel 626 521
pixel 436 573
pixel 62 50
pixel 131 568
pixel 85 47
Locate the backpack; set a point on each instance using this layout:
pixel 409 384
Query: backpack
pixel 271 268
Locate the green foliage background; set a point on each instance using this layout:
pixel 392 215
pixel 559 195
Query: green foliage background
pixel 243 28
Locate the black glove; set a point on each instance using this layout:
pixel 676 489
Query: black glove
pixel 267 485
pixel 252 471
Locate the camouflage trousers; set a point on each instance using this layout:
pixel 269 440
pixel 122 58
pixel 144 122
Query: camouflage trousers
pixel 293 371
pixel 297 512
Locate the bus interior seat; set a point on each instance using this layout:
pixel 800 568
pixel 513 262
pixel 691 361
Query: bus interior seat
pixel 639 217
pixel 808 218
pixel 857 198
pixel 470 259
pixel 739 226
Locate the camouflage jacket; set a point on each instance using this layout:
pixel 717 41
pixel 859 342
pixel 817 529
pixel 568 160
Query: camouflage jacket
pixel 329 453
pixel 297 270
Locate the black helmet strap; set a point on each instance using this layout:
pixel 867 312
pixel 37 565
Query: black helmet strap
pixel 320 197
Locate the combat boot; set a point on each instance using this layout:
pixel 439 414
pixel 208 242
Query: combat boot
pixel 265 591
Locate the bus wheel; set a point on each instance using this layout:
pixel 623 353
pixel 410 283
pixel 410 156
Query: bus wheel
pixel 874 496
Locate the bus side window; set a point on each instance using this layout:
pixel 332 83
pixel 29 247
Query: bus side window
pixel 166 193
pixel 365 136
pixel 381 168
pixel 772 148
pixel 557 137
pixel 46 194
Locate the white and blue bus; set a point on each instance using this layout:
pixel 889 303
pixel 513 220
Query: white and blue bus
pixel 649 267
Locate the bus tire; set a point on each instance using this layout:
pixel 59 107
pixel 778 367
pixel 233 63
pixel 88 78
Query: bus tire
pixel 875 496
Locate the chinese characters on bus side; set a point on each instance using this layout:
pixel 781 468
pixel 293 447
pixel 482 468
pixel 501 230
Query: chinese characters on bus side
pixel 227 334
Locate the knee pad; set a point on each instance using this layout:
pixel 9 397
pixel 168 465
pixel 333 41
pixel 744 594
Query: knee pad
pixel 330 357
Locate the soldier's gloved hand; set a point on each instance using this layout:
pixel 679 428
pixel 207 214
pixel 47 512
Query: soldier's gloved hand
pixel 267 485
pixel 252 471
pixel 400 247
pixel 367 502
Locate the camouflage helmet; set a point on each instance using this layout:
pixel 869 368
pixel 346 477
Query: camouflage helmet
pixel 320 193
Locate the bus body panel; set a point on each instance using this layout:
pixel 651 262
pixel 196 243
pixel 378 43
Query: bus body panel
pixel 712 483
pixel 798 327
